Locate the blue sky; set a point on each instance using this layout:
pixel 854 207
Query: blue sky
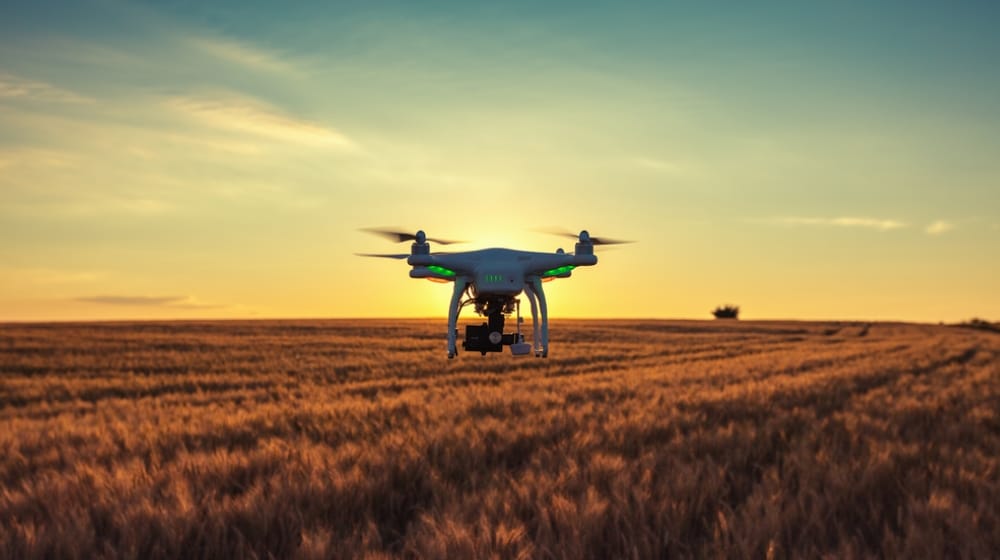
pixel 820 160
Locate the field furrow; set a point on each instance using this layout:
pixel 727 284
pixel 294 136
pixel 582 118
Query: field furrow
pixel 650 439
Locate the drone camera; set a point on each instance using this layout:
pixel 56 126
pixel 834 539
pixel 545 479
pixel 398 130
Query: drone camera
pixel 477 339
pixel 484 338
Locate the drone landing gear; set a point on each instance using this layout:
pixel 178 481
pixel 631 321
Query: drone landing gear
pixel 456 306
pixel 533 290
pixel 489 336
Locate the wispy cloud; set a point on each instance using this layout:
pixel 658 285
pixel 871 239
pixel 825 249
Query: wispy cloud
pixel 655 164
pixel 50 276
pixel 939 227
pixel 844 221
pixel 141 206
pixel 244 54
pixel 176 302
pixel 132 300
pixel 16 87
pixel 246 115
pixel 35 158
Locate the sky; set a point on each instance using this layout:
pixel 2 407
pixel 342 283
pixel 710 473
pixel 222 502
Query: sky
pixel 803 160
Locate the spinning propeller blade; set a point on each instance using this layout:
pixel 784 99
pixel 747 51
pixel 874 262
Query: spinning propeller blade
pixel 384 255
pixel 401 236
pixel 581 236
pixel 394 255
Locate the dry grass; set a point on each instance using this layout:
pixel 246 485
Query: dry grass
pixel 327 439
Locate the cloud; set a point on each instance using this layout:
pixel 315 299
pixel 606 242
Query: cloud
pixel 50 276
pixel 191 303
pixel 245 115
pixel 244 54
pixel 176 302
pixel 939 227
pixel 25 157
pixel 15 87
pixel 131 300
pixel 657 164
pixel 845 221
pixel 141 206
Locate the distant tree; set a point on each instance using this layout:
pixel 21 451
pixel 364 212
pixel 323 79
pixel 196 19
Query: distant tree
pixel 727 312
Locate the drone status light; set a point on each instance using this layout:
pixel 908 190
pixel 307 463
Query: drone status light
pixel 440 270
pixel 558 271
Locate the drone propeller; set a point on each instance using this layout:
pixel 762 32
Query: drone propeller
pixel 400 236
pixel 395 255
pixel 384 255
pixel 585 236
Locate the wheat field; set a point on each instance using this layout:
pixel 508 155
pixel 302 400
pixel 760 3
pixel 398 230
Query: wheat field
pixel 650 439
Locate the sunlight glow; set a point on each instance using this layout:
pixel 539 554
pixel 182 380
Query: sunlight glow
pixel 191 160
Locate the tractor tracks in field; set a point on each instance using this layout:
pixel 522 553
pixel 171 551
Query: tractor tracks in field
pixel 656 358
pixel 820 394
pixel 665 365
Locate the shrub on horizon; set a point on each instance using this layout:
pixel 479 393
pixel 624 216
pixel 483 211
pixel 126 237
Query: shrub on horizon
pixel 727 312
pixel 981 324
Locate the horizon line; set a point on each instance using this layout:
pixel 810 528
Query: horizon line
pixel 444 319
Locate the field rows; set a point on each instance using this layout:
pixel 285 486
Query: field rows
pixel 650 439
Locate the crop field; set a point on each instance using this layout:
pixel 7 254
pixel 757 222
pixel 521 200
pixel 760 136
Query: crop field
pixel 650 439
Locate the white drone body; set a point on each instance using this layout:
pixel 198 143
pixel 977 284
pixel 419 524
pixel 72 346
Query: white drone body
pixel 491 279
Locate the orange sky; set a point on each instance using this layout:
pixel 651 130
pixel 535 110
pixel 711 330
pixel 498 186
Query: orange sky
pixel 802 163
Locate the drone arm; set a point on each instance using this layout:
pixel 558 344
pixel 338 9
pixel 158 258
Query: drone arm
pixel 537 282
pixel 456 298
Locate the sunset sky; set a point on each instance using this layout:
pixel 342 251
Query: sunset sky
pixel 812 160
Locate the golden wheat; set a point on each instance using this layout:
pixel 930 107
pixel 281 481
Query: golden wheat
pixel 333 439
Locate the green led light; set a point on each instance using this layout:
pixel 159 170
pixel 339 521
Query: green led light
pixel 440 270
pixel 559 271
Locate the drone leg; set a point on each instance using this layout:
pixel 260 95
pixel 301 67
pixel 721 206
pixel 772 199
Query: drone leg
pixel 456 298
pixel 536 344
pixel 545 316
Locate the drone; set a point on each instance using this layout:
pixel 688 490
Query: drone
pixel 490 280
